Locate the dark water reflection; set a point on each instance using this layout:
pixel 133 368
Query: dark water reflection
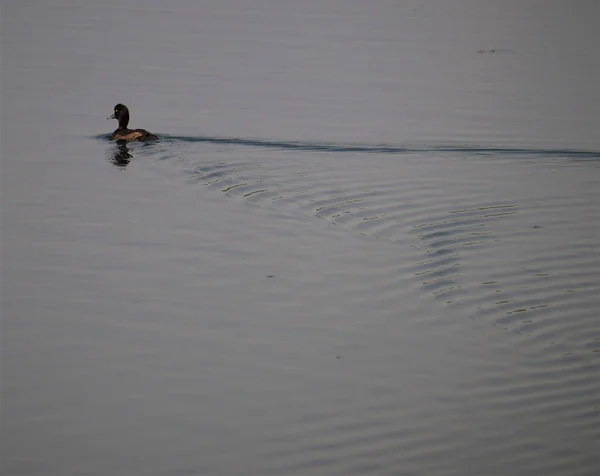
pixel 120 156
pixel 365 244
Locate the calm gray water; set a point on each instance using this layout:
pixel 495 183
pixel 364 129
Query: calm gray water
pixel 366 244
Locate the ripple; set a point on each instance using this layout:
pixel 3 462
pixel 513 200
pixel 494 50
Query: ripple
pixel 472 150
pixel 467 237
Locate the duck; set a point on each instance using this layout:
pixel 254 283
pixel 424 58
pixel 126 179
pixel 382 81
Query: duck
pixel 122 134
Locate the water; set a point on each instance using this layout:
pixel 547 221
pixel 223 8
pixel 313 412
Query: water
pixel 367 242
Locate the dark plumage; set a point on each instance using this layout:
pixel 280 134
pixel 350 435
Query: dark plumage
pixel 122 134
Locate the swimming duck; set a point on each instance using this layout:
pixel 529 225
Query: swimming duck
pixel 122 134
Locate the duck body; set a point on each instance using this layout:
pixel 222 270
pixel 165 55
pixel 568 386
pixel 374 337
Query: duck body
pixel 122 133
pixel 132 135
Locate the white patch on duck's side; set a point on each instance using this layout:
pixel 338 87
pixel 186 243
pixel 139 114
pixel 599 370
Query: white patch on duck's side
pixel 134 135
pixel 129 136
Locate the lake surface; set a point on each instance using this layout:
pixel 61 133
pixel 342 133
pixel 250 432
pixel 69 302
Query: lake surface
pixel 367 243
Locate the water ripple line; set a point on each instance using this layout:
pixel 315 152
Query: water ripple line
pixel 375 148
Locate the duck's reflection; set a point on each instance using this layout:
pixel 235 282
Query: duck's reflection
pixel 120 156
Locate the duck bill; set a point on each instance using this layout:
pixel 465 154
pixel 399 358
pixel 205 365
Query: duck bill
pixel 111 117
